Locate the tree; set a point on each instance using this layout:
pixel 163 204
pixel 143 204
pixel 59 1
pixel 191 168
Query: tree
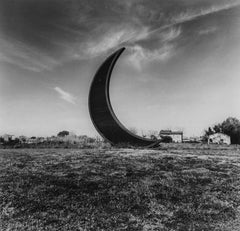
pixel 231 127
pixel 166 139
pixel 209 131
pixel 63 133
pixel 217 128
pixel 1 140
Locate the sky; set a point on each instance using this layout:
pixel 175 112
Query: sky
pixel 180 69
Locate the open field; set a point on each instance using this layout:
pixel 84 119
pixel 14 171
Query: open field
pixel 180 187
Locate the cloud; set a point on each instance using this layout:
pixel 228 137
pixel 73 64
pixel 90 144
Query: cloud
pixel 170 34
pixel 140 55
pixel 165 34
pixel 114 38
pixel 207 31
pixel 65 95
pixel 191 14
pixel 132 38
pixel 25 56
pixel 87 29
pixel 164 47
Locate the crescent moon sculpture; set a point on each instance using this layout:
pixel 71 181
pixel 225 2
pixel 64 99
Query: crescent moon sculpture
pixel 101 112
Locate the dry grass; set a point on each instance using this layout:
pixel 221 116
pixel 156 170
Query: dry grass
pixel 189 187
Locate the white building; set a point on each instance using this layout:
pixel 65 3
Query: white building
pixel 8 137
pixel 177 136
pixel 219 138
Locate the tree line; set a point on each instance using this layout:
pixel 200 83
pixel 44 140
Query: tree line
pixel 230 126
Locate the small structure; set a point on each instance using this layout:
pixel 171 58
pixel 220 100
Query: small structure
pixel 193 139
pixel 7 137
pixel 177 136
pixel 219 138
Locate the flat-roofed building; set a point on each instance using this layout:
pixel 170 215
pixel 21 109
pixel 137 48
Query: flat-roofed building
pixel 177 136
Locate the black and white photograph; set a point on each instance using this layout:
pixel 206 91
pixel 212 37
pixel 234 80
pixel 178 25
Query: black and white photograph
pixel 119 115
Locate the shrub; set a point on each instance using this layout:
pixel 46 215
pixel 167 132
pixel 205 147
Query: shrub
pixel 166 139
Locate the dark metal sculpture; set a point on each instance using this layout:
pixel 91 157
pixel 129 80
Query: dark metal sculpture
pixel 101 111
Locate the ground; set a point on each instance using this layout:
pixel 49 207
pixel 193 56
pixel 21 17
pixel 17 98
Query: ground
pixel 180 187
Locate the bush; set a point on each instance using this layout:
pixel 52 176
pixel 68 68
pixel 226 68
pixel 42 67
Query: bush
pixel 166 139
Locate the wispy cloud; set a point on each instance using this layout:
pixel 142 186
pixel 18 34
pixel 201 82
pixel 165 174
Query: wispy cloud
pixel 131 38
pixel 140 55
pixel 207 31
pixel 22 55
pixel 92 30
pixel 170 34
pixel 167 33
pixel 65 95
pixel 163 50
pixel 191 14
pixel 115 37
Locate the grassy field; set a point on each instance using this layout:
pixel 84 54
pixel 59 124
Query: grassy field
pixel 180 187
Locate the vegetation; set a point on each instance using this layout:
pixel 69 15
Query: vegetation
pixel 231 127
pixel 181 187
pixel 63 133
pixel 10 143
pixel 166 139
pixel 55 142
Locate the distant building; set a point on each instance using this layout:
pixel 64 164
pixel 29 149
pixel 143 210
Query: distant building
pixel 219 138
pixel 177 136
pixel 7 137
pixel 193 139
